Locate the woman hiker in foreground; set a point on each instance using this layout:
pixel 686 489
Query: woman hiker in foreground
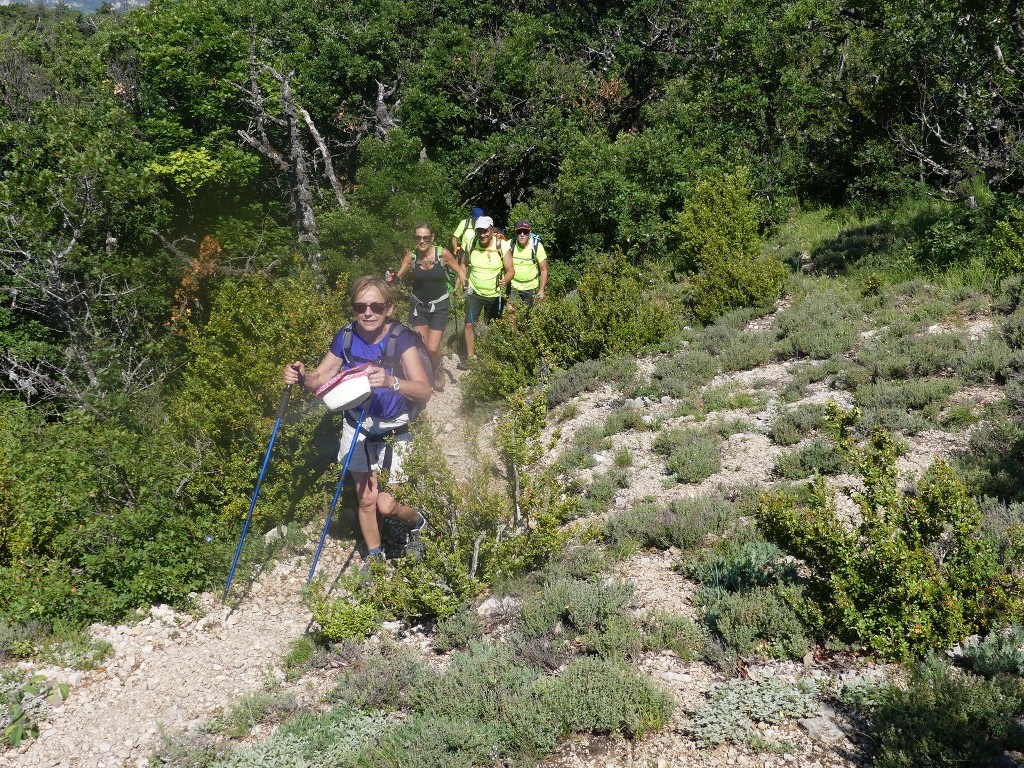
pixel 400 387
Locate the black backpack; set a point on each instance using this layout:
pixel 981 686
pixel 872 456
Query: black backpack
pixel 390 359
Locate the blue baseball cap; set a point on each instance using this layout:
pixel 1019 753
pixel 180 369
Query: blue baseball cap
pixel 477 213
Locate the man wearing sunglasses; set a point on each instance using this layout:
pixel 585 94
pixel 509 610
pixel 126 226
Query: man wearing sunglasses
pixel 490 271
pixel 530 261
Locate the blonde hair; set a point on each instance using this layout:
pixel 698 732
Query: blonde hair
pixel 360 284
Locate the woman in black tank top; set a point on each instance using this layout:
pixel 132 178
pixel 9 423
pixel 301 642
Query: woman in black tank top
pixel 427 268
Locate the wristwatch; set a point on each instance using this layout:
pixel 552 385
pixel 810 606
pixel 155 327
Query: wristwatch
pixel 395 385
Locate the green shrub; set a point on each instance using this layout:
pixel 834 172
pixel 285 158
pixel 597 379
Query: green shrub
pixel 601 696
pixel 905 406
pixel 479 684
pixel 736 566
pixel 914 356
pixel 337 737
pixel 679 634
pixel 301 653
pixel 102 516
pixel 580 561
pixel 479 533
pixel 734 349
pixel 430 740
pixel 986 359
pixel 690 455
pixel 818 457
pixel 24 704
pixel 587 441
pixel 732 708
pixel 879 584
pixel 21 640
pixel 611 314
pixel 601 491
pixel 719 243
pixel 341 618
pixel 1003 521
pixel 1005 244
pixel 625 419
pixel 791 426
pixel 1011 330
pixel 1001 652
pixel 943 716
pixel 75 648
pixel 993 464
pixel 754 621
pixel 268 705
pixel 957 417
pixel 619 637
pixel 727 397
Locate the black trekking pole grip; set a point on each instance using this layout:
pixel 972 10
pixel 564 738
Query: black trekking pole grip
pixel 284 402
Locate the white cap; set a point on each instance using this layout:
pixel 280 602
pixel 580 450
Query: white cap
pixel 484 222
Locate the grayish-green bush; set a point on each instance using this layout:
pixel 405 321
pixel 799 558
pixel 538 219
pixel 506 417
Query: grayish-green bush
pixel 457 630
pixel 793 424
pixel 1002 652
pixel 582 605
pixel 944 716
pixel 588 376
pixel 684 523
pixel 691 455
pixel 817 457
pixel 819 326
pixel 732 709
pixel 603 696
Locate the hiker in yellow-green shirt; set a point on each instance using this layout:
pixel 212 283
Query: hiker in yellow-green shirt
pixel 462 237
pixel 530 263
pixel 489 264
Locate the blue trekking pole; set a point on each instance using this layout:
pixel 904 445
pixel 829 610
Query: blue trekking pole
pixel 255 494
pixel 337 494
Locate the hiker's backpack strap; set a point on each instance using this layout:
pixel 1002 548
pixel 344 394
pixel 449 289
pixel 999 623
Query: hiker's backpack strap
pixel 534 242
pixel 346 343
pixel 437 256
pixel 391 347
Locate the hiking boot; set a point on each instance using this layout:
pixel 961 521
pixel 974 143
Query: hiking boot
pixel 415 547
pixel 464 364
pixel 439 378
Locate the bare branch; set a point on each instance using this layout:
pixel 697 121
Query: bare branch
pixel 339 193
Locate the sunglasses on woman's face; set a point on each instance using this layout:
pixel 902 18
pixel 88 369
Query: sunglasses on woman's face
pixel 377 307
pixel 422 238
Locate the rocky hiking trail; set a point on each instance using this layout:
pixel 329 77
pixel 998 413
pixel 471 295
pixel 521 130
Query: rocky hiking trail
pixel 171 672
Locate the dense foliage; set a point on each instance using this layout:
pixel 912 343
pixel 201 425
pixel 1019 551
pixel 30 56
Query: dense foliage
pixel 912 572
pixel 186 187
